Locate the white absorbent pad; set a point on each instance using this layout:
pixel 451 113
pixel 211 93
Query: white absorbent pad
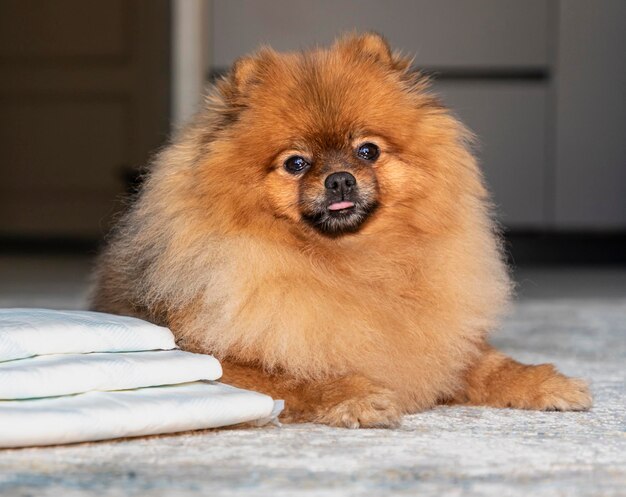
pixel 30 332
pixel 74 376
pixel 63 374
pixel 146 411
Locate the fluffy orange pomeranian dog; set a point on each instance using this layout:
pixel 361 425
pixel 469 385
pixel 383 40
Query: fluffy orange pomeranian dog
pixel 322 228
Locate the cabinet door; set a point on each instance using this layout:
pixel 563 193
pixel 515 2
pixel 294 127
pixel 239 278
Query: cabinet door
pixel 84 95
pixel 461 34
pixel 591 115
pixel 509 121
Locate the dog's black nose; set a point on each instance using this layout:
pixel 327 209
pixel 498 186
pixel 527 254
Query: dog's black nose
pixel 342 182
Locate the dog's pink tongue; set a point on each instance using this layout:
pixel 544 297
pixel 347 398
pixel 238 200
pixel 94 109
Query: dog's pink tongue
pixel 337 206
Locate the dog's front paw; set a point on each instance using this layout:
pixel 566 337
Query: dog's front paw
pixel 378 409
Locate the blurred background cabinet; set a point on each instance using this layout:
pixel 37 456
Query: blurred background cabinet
pixel 84 95
pixel 589 167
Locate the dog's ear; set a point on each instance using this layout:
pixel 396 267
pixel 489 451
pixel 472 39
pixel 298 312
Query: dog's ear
pixel 370 45
pixel 246 70
pixel 243 72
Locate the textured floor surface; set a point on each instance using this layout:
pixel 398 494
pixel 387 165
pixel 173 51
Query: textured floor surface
pixel 446 451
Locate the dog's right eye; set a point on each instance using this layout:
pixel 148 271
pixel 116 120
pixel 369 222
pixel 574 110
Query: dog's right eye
pixel 296 164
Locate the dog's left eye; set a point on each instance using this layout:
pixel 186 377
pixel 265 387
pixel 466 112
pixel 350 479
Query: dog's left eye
pixel 368 152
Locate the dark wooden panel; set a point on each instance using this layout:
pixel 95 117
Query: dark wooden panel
pixel 63 144
pixel 63 29
pixel 84 96
pixel 53 213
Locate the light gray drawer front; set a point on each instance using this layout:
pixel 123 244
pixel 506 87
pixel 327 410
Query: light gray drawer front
pixel 488 34
pixel 591 116
pixel 509 120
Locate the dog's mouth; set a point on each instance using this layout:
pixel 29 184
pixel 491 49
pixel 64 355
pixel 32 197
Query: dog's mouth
pixel 340 217
pixel 340 206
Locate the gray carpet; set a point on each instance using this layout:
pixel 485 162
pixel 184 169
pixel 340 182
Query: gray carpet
pixel 447 451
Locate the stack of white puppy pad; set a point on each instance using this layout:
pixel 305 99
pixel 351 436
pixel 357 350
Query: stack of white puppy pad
pixel 76 376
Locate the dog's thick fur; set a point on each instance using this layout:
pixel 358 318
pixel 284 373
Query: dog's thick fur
pixel 354 329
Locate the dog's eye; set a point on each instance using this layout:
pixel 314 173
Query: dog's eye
pixel 296 164
pixel 368 152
